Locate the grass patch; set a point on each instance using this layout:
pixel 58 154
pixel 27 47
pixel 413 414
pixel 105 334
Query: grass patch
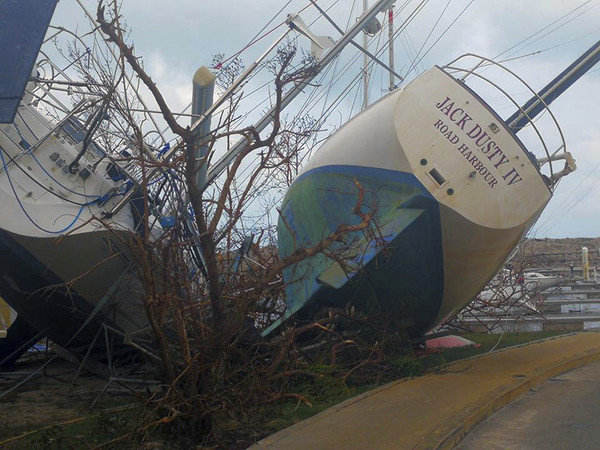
pixel 487 343
pixel 83 432
pixel 321 385
pixel 327 391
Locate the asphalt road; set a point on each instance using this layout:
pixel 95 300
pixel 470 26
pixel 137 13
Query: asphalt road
pixel 563 413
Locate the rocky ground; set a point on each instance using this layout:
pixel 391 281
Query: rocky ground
pixel 557 253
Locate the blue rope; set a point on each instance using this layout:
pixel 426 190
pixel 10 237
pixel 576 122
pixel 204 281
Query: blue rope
pixel 28 147
pixel 164 149
pixel 25 211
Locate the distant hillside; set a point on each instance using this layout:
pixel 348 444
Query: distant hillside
pixel 557 253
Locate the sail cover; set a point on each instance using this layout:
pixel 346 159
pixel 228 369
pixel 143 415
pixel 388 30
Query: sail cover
pixel 23 25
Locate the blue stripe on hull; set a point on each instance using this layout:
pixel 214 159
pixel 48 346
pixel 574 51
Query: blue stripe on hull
pixel 400 274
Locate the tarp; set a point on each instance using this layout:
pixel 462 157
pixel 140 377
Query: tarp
pixel 23 25
pixel 450 342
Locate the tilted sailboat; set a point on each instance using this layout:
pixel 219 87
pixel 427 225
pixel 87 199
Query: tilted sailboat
pixel 63 256
pixel 451 188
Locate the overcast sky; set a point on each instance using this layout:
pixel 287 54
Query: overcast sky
pixel 176 37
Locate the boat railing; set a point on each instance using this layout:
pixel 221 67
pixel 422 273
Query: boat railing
pixel 54 116
pixel 474 66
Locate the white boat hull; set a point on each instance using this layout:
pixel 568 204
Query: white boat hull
pixel 453 188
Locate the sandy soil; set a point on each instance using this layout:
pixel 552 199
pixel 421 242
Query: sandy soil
pixel 46 399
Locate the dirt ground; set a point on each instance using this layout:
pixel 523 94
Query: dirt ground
pixel 47 399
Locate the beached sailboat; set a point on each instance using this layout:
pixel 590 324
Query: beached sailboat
pixel 452 187
pixel 64 260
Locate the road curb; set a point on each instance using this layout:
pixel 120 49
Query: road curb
pixel 277 436
pixel 451 433
pixel 442 417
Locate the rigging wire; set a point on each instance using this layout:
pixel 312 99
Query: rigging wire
pixel 429 35
pixel 556 220
pixel 443 34
pixel 407 22
pixel 337 60
pixel 559 213
pixel 545 28
pixel 562 44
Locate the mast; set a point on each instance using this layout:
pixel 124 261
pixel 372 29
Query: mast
pixel 554 89
pixel 391 45
pixel 365 43
pixel 218 167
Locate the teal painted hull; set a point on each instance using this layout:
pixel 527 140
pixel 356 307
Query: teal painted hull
pixel 393 266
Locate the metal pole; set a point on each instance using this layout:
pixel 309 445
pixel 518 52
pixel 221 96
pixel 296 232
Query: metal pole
pixel 365 44
pixel 374 58
pixel 224 162
pixel 391 45
pixel 555 88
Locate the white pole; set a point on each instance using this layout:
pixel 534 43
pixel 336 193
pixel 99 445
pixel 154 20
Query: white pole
pixel 585 264
pixel 203 87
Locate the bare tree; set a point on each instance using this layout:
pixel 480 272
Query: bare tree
pixel 213 363
pixel 512 295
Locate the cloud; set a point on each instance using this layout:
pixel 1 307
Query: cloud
pixel 175 85
pixel 174 38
